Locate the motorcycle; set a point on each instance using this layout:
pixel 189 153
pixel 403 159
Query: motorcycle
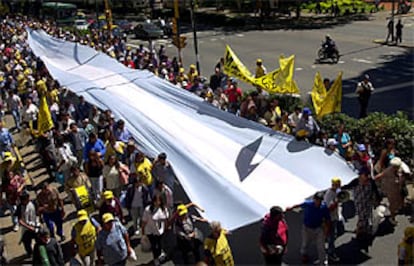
pixel 323 54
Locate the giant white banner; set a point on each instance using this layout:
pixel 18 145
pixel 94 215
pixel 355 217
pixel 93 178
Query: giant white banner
pixel 234 168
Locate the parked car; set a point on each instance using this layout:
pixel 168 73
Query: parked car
pixel 125 26
pixel 81 24
pixel 148 31
pixel 166 26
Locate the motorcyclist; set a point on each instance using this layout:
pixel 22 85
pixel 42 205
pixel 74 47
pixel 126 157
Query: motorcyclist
pixel 329 45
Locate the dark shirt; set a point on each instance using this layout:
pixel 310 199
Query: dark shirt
pixel 54 253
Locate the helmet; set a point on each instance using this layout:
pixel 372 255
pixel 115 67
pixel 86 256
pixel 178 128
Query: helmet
pixel 327 36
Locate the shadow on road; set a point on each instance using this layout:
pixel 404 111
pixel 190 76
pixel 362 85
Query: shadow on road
pixel 393 83
pixel 247 22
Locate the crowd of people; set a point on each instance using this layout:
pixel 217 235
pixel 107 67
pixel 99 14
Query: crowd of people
pixel 95 160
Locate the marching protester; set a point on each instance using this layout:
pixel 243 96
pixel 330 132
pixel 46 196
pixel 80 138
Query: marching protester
pixel 51 253
pixel 274 236
pixel 316 225
pixel 51 206
pixel 112 244
pixel 28 220
pixel 331 200
pixel 216 247
pixel 154 224
pixel 84 233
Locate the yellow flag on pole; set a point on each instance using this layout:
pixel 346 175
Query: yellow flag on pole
pixel 44 122
pixel 235 68
pixel 326 102
pixel 280 80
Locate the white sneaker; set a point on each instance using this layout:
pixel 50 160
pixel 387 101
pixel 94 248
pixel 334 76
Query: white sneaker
pixel 16 228
pixel 137 232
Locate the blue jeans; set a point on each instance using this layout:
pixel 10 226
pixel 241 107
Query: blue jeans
pixel 16 117
pixel 12 209
pixel 54 218
pixel 331 237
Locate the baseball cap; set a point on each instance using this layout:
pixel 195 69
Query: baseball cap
pixel 331 141
pixel 107 217
pixel 396 161
pixel 336 179
pixel 361 147
pixel 108 194
pixel 306 111
pixel 182 210
pixel 82 215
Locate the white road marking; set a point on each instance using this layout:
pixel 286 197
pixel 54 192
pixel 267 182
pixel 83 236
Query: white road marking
pixel 222 38
pixel 313 66
pixel 239 35
pixel 341 62
pixel 298 69
pixel 213 39
pixel 361 60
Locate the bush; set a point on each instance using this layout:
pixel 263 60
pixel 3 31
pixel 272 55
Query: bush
pixel 377 127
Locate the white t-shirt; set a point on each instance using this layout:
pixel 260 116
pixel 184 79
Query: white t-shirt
pixel 155 220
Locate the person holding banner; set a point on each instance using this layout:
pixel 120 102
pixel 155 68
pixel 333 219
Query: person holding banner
pixel 260 69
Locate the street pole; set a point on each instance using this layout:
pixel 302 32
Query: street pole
pixel 392 19
pixel 193 23
pixel 97 15
pixel 176 29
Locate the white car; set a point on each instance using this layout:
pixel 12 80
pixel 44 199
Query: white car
pixel 81 24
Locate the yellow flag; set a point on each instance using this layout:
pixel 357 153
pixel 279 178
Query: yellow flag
pixel 280 80
pixel 326 102
pixel 235 68
pixel 44 122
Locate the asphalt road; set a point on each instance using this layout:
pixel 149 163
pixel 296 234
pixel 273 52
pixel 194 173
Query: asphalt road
pixel 391 68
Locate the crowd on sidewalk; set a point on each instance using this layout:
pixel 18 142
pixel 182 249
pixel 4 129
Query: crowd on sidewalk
pixel 96 160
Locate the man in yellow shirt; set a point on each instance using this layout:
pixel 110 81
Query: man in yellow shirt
pixel 217 248
pixel 192 73
pixel 84 234
pixel 144 167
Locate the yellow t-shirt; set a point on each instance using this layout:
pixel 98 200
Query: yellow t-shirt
pixel 220 250
pixel 117 149
pixel 85 238
pixel 54 94
pixel 144 169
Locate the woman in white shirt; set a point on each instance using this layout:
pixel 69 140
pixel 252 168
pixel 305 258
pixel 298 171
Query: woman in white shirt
pixel 154 223
pixel 111 173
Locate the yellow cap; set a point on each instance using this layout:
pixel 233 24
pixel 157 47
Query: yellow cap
pixel 182 210
pixel 82 215
pixel 107 217
pixel 336 180
pixel 182 70
pixel 108 194
pixel 409 232
pixel 8 156
pixel 192 66
pixel 259 60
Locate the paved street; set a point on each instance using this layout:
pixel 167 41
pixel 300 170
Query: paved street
pixel 391 68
